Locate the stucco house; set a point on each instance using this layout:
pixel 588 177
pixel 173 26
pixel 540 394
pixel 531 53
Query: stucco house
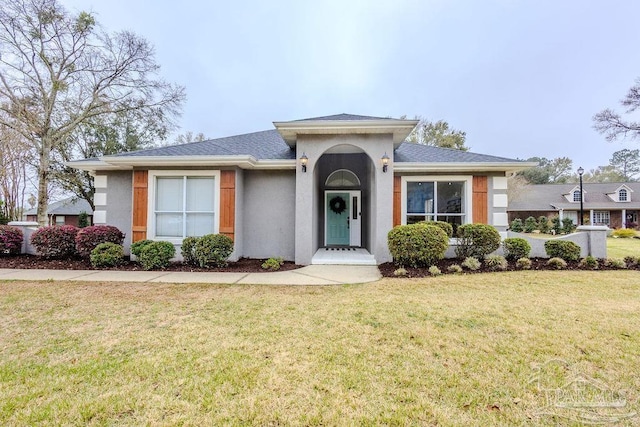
pixel 614 204
pixel 63 212
pixel 319 190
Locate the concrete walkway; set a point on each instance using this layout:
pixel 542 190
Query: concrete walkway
pixel 309 275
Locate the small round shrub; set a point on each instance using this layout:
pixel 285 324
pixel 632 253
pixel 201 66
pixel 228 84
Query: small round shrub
pixel 496 262
pixel 632 261
pixel 107 255
pixel 434 270
pixel 516 225
pixel 187 249
pixel 156 255
pixel 417 245
pixel 10 240
pixel 589 262
pixel 272 264
pixel 55 241
pixel 400 272
pixel 454 268
pixel 557 263
pixel 624 233
pixel 471 263
pixel 543 224
pixel 568 226
pixel 213 250
pixel 477 240
pixel 516 248
pixel 446 227
pixel 530 224
pixel 615 263
pixel 565 249
pixel 136 247
pixel 523 264
pixel 90 237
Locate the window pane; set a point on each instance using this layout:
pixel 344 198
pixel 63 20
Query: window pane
pixel 199 224
pixel 169 194
pixel 450 197
pixel 454 220
pixel 200 194
pixel 169 225
pixel 419 197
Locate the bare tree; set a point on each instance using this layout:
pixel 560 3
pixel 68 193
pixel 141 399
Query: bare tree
pixel 188 136
pixel 59 70
pixel 613 125
pixel 14 154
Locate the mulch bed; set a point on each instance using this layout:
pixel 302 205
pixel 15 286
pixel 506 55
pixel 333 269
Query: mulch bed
pixel 243 265
pixel 389 268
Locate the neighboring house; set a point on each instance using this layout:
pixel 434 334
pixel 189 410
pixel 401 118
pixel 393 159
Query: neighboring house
pixel 64 212
pixel 319 190
pixel 615 205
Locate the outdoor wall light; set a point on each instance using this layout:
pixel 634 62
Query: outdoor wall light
pixel 385 162
pixel 303 161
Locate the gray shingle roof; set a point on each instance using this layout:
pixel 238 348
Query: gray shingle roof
pixel 551 197
pixel 412 152
pixel 70 206
pixel 343 116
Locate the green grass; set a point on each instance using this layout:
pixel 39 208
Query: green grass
pixel 448 350
pixel 620 248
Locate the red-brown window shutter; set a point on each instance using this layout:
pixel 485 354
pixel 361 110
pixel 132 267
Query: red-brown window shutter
pixel 397 200
pixel 480 205
pixel 227 203
pixel 140 205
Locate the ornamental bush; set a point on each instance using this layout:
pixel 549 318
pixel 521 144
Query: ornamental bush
pixel 568 251
pixel 272 264
pixel 530 224
pixel 556 226
pixel 156 255
pixel 434 270
pixel 446 227
pixel 496 262
pixel 543 224
pixel 188 250
pixel 477 240
pixel 515 248
pixel 136 247
pixel 55 241
pixel 557 263
pixel 454 269
pixel 107 255
pixel 516 225
pixel 10 240
pixel 213 250
pixel 568 226
pixel 523 264
pixel 90 237
pixel 615 263
pixel 472 263
pixel 624 233
pixel 417 245
pixel 589 263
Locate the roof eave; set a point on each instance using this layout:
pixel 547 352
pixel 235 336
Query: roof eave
pixel 461 166
pixel 243 162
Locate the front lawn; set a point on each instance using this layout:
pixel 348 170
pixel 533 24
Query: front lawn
pixel 620 248
pixel 449 350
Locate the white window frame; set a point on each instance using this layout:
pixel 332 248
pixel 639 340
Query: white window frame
pixel 151 217
pixel 600 214
pixel 468 190
pixel 60 220
pixel 574 194
pixel 626 195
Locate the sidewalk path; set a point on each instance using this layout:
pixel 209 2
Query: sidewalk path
pixel 309 275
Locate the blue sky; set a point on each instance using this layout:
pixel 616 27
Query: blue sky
pixel 522 78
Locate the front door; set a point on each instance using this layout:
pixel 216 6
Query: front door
pixel 342 218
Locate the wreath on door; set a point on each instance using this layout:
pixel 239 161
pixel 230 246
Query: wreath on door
pixel 338 205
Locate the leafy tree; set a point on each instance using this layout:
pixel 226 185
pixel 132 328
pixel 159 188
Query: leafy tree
pixel 555 171
pixel 58 71
pixel 613 125
pixel 437 134
pixel 601 174
pixel 626 162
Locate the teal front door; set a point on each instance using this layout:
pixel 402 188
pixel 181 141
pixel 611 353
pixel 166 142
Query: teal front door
pixel 337 218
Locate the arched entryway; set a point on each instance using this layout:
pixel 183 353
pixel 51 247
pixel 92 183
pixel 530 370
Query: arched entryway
pixel 342 209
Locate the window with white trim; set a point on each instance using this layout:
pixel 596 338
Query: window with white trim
pixel 183 204
pixel 60 220
pixel 436 199
pixel 601 218
pixel 623 195
pixel 576 196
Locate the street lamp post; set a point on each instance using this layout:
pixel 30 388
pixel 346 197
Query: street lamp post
pixel 580 172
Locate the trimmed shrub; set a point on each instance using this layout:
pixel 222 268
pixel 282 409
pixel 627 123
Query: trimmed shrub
pixel 516 225
pixel 496 262
pixel 454 268
pixel 83 220
pixel 107 255
pixel 523 264
pixel 471 263
pixel 213 250
pixel 557 263
pixel 188 250
pixel 434 271
pixel 568 226
pixel 515 248
pixel 624 233
pixel 55 241
pixel 90 237
pixel 556 226
pixel 615 263
pixel 156 255
pixel 477 240
pixel 10 240
pixel 632 261
pixel 530 224
pixel 417 245
pixel 543 224
pixel 568 251
pixel 136 247
pixel 272 264
pixel 446 227
pixel 400 272
pixel 589 262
